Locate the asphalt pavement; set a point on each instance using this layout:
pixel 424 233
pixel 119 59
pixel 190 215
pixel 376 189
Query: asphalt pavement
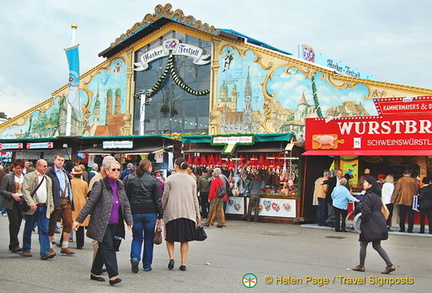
pixel 243 257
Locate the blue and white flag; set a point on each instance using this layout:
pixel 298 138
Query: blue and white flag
pixel 73 92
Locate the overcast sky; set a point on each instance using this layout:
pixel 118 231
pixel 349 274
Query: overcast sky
pixel 389 39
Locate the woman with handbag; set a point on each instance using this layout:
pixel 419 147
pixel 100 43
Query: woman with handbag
pixel 146 205
pixel 373 225
pixel 11 190
pixel 109 207
pixel 181 211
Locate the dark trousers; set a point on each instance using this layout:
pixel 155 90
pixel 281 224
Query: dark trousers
pixel 390 208
pixel 338 214
pixel 254 201
pixel 15 219
pixel 204 204
pixel 330 214
pixel 321 211
pixel 403 211
pixel 79 237
pixel 106 254
pixel 423 214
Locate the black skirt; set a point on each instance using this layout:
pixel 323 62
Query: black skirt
pixel 180 230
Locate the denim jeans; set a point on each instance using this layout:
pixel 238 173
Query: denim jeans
pixel 42 221
pixel 143 229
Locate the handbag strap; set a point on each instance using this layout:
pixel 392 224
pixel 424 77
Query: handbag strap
pixel 40 183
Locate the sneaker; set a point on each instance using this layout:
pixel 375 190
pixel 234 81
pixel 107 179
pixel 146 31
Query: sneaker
pixel 52 252
pixel 134 264
pixel 67 250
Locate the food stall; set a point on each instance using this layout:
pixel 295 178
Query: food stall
pixel 274 157
pixel 396 139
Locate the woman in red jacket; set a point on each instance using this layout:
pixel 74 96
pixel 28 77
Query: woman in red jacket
pixel 216 203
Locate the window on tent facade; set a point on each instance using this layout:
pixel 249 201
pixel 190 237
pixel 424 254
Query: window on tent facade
pixel 173 109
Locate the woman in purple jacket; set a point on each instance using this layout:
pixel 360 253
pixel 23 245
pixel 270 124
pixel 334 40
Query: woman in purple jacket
pixel 108 206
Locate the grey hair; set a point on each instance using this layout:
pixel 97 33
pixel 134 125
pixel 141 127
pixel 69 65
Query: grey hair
pixel 343 181
pixel 106 160
pixel 218 171
pixel 108 165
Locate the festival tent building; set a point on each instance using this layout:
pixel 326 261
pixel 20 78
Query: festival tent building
pixel 172 75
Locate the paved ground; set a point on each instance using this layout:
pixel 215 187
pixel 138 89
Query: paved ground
pixel 291 258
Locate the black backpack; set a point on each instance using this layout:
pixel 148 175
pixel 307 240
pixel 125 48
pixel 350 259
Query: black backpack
pixel 221 191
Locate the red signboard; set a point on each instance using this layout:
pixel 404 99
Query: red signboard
pixel 403 123
pixel 39 145
pixel 5 146
pixel 403 105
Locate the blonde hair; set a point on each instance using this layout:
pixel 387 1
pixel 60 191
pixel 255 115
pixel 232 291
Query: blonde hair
pixel 389 178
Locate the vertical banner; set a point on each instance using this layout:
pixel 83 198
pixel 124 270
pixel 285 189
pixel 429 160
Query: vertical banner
pixel 72 105
pixel 73 91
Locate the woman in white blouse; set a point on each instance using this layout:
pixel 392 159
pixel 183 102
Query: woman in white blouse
pixel 386 193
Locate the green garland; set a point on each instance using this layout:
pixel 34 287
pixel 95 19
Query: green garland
pixel 177 79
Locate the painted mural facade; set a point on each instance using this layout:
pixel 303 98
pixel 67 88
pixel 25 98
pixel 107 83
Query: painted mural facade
pixel 252 89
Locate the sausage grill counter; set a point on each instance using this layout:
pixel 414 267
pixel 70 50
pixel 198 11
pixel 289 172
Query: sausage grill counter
pixel 273 156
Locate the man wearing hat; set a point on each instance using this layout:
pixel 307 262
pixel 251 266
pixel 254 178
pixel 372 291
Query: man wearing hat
pixel 79 190
pixel 403 194
pixel 380 180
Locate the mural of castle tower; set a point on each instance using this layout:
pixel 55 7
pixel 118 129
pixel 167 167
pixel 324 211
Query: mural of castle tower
pixel 97 106
pixel 108 112
pixel 247 112
pixel 304 110
pixel 233 121
pixel 117 107
pixel 226 102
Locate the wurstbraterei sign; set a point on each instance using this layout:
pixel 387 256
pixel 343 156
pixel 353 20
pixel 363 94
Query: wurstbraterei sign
pixel 402 123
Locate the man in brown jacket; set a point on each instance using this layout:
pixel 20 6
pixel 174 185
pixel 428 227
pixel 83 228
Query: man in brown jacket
pixel 405 189
pixel 319 198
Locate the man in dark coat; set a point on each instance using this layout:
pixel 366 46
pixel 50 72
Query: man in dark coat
pixel 63 203
pixel 332 182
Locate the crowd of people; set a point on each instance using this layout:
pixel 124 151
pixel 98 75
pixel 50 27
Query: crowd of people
pixel 99 201
pixel 46 195
pixel 328 197
pixel 333 193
